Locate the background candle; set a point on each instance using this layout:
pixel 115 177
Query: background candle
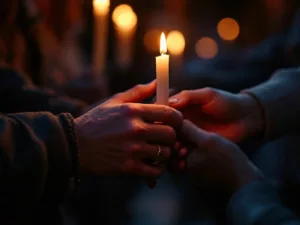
pixel 101 10
pixel 162 73
pixel 125 21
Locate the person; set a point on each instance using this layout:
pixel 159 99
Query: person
pixel 221 119
pixel 41 152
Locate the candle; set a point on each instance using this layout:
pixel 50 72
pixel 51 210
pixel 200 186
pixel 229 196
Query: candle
pixel 162 73
pixel 101 10
pixel 125 21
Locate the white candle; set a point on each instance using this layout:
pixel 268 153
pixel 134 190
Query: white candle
pixel 162 73
pixel 125 21
pixel 101 10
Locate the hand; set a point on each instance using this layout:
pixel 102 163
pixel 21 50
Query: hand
pixel 233 116
pixel 217 162
pixel 118 136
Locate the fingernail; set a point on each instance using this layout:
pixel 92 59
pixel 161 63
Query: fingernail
pixel 173 100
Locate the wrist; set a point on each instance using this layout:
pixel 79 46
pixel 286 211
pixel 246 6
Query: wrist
pixel 246 176
pixel 254 119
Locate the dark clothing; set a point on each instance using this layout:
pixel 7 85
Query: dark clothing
pixel 18 94
pixel 36 151
pixel 259 204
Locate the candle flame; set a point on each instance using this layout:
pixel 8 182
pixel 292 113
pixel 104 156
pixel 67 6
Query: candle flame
pixel 163 44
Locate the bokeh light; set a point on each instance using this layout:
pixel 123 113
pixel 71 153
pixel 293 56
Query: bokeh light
pixel 119 10
pixel 206 48
pixel 152 40
pixel 124 17
pixel 101 6
pixel 175 42
pixel 228 29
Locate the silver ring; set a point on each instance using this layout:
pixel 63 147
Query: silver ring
pixel 158 155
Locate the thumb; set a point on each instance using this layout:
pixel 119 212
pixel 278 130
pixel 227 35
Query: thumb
pixel 192 97
pixel 137 94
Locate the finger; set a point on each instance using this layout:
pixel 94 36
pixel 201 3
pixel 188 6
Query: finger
pixel 139 93
pixel 146 170
pixel 172 91
pixel 196 135
pixel 149 151
pixel 151 182
pixel 160 113
pixel 192 97
pixel 159 134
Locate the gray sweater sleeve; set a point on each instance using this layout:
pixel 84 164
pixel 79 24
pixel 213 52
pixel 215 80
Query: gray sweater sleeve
pixel 259 204
pixel 280 100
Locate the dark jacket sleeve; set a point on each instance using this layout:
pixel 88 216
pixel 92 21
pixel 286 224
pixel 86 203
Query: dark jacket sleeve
pixel 279 97
pixel 18 94
pixel 36 152
pixel 259 204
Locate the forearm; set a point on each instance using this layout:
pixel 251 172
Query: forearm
pixel 259 204
pixel 36 160
pixel 279 100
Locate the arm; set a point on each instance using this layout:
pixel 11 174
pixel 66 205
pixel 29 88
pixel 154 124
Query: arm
pixel 18 95
pixel 36 151
pixel 259 204
pixel 279 99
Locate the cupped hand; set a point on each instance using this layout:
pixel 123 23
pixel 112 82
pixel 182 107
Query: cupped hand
pixel 217 163
pixel 120 135
pixel 233 116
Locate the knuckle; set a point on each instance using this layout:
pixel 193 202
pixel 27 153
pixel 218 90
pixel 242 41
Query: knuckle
pixel 138 87
pixel 128 109
pixel 209 91
pixel 138 128
pixel 185 93
pixel 135 148
pixel 129 166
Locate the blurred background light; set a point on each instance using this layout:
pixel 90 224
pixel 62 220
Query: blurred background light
pixel 124 17
pixel 119 10
pixel 175 42
pixel 228 29
pixel 152 40
pixel 206 48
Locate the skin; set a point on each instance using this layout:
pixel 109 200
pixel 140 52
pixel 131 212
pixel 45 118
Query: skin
pixel 217 163
pixel 120 135
pixel 235 117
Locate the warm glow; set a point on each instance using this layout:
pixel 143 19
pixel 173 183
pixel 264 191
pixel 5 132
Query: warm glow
pixel 101 7
pixel 175 42
pixel 119 10
pixel 206 48
pixel 228 29
pixel 124 17
pixel 163 44
pixel 152 39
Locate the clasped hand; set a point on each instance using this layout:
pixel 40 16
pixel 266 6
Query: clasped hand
pixel 121 135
